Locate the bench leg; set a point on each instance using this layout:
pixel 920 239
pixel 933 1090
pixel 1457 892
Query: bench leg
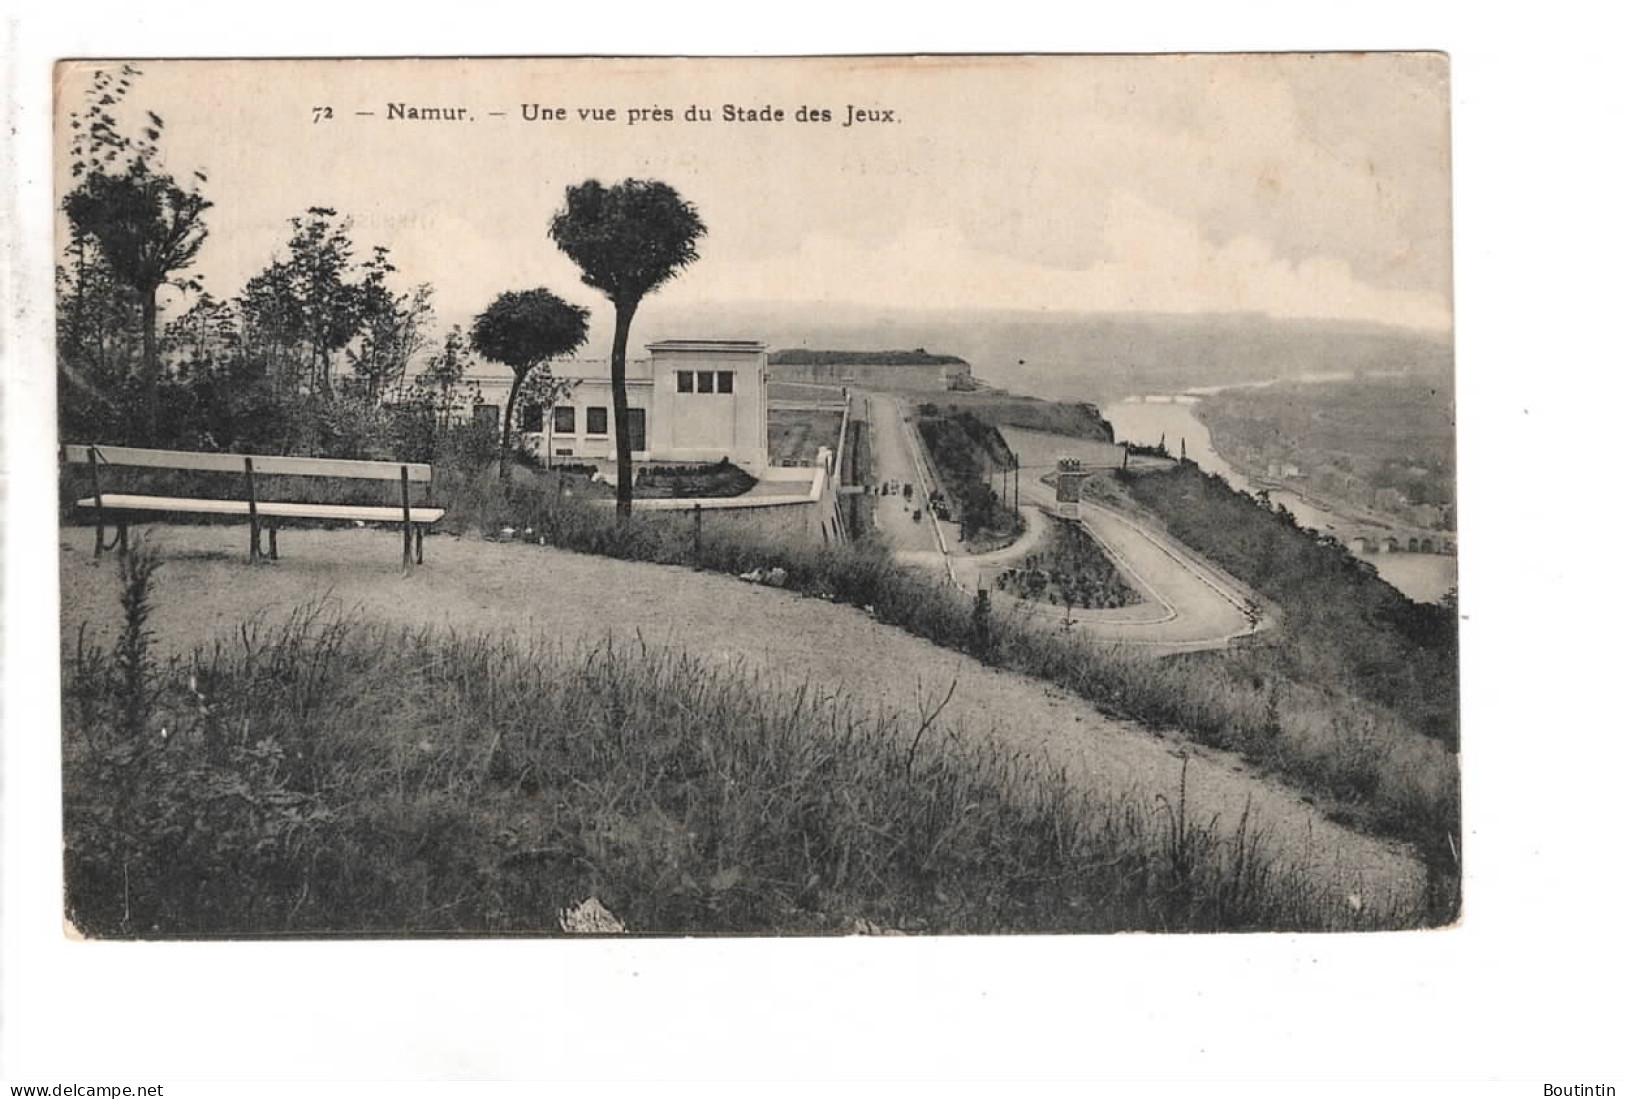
pixel 406 546
pixel 420 542
pixel 253 540
pixel 272 534
pixel 122 541
pixel 101 536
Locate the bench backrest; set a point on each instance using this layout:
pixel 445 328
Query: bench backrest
pixel 143 458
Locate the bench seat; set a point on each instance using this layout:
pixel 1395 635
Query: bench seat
pixel 341 512
pixel 123 508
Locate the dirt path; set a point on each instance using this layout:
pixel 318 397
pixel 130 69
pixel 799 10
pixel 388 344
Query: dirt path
pixel 205 588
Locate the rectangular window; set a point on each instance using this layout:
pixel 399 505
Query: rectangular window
pixel 488 416
pixel 597 421
pixel 637 429
pixel 685 381
pixel 707 381
pixel 725 381
pixel 564 420
pixel 533 418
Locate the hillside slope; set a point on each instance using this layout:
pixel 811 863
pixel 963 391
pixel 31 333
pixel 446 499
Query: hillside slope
pixel 205 590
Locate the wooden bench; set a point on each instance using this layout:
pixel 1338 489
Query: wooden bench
pixel 117 507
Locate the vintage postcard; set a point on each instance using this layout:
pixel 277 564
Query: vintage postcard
pixel 813 496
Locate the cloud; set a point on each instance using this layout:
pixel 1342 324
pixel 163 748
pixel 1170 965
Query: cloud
pixel 1294 185
pixel 1154 261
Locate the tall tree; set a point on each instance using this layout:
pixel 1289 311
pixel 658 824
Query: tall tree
pixel 329 309
pixel 316 302
pixel 629 240
pixel 100 395
pixel 271 327
pixel 444 374
pixel 206 334
pixel 524 329
pixel 146 228
pixel 394 329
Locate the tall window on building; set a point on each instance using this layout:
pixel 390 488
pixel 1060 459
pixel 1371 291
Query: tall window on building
pixel 534 418
pixel 707 381
pixel 685 381
pixel 488 416
pixel 597 421
pixel 725 381
pixel 637 433
pixel 564 420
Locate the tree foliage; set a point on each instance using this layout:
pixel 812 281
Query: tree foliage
pixel 628 240
pixel 145 225
pixel 393 330
pixel 443 376
pixel 523 329
pixel 131 223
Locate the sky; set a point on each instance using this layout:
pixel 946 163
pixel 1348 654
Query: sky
pixel 1293 185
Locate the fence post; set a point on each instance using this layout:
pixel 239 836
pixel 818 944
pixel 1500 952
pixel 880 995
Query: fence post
pixel 697 539
pixel 253 512
pixel 96 490
pixel 406 521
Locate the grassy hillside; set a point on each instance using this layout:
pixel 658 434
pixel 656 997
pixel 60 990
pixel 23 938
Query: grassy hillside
pixel 1078 419
pixel 966 453
pixel 1291 703
pixel 1343 626
pixel 325 776
pixel 1349 439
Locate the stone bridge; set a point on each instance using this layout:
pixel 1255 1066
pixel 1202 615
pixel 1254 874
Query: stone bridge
pixel 1369 540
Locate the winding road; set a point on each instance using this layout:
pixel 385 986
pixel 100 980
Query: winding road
pixel 1188 604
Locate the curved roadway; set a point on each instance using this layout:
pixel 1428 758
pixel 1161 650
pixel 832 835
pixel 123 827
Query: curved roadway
pixel 1188 604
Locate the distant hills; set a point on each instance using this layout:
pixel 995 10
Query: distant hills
pixel 1080 356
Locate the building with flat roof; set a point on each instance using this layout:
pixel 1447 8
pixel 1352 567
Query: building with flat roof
pixel 688 401
pixel 907 370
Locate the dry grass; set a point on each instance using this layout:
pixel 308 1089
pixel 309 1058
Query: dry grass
pixel 323 775
pixel 1366 762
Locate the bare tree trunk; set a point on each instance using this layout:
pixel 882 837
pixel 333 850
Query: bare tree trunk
pixel 623 439
pixel 149 359
pixel 504 470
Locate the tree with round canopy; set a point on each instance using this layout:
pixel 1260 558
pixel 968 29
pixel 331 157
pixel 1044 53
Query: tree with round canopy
pixel 524 329
pixel 629 240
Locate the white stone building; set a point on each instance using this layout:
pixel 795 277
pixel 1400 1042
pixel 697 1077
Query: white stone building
pixel 688 401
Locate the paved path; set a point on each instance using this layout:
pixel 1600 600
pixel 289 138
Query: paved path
pixel 1188 605
pixel 1191 604
pixel 205 590
pixel 898 460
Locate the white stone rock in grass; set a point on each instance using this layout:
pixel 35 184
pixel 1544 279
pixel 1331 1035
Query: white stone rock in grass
pixel 590 917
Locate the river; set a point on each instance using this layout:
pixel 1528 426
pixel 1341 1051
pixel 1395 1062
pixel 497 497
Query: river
pixel 1424 577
